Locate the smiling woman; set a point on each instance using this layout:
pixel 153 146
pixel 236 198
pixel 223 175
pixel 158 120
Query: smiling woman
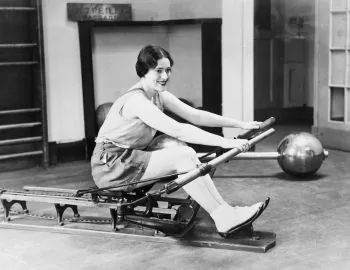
pixel 122 154
pixel 154 63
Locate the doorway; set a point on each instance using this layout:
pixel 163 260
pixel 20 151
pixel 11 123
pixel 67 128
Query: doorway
pixel 283 60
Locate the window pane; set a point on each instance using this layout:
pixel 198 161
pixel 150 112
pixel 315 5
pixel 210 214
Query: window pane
pixel 338 4
pixel 338 67
pixel 337 104
pixel 338 30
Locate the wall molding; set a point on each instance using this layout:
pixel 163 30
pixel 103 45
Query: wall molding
pixel 329 138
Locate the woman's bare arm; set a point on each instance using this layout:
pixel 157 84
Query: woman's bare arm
pixel 200 117
pixel 139 106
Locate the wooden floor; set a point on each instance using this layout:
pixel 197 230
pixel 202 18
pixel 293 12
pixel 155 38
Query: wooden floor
pixel 75 174
pixel 311 220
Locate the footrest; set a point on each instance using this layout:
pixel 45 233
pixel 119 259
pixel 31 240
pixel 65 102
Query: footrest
pixel 246 239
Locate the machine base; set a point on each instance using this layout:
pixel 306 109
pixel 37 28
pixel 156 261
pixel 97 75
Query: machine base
pixel 202 233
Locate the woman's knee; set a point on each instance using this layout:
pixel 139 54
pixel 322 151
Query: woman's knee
pixel 164 141
pixel 186 158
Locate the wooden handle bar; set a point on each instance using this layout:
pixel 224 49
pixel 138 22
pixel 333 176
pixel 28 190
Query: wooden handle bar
pixel 235 151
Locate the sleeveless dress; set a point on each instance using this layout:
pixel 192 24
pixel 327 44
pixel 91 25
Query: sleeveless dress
pixel 119 156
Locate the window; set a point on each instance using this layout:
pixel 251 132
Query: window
pixel 339 59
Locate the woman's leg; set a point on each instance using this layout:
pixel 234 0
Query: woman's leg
pixel 182 159
pixel 202 189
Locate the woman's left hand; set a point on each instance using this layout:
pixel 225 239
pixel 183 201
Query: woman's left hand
pixel 251 125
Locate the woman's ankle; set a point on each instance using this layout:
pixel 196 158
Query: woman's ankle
pixel 220 211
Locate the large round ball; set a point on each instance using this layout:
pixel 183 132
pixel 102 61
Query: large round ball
pixel 300 154
pixel 101 113
pixel 164 141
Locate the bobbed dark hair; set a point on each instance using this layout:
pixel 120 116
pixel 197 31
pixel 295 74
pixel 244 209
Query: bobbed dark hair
pixel 148 58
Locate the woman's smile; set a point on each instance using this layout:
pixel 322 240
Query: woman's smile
pixel 162 84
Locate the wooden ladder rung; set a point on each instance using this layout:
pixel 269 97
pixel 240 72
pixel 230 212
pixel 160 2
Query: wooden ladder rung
pixel 22 125
pixel 18 45
pixel 17 8
pixel 21 140
pixel 20 63
pixel 23 154
pixel 29 110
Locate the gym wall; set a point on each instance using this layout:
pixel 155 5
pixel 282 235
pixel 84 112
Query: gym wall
pixel 115 51
pixel 62 56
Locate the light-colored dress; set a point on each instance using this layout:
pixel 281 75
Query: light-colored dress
pixel 119 155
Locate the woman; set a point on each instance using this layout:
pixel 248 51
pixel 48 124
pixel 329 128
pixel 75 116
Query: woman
pixel 121 155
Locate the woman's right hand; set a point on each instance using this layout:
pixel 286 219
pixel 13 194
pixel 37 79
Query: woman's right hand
pixel 240 144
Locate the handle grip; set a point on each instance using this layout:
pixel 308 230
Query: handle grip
pixel 249 134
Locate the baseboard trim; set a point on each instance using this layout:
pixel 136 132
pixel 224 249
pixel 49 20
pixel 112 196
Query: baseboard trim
pixel 66 152
pixel 330 138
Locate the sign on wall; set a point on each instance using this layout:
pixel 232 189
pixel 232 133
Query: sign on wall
pixel 98 12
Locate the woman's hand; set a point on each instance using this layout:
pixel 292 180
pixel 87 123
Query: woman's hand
pixel 240 144
pixel 251 125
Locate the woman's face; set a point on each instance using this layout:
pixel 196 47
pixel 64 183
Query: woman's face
pixel 158 77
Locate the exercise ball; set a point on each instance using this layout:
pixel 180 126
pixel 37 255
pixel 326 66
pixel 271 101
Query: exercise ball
pixel 301 154
pixel 164 141
pixel 101 113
